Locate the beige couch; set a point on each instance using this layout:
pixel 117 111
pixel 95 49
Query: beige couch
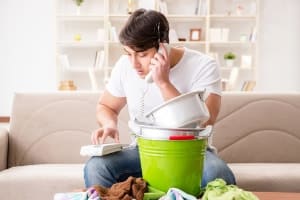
pixel 257 134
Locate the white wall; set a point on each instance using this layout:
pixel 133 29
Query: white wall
pixel 279 63
pixel 27 48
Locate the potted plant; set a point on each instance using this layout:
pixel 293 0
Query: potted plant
pixel 78 4
pixel 229 58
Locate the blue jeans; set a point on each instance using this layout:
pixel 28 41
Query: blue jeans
pixel 117 167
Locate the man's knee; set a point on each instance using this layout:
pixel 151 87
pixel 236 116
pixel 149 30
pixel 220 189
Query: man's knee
pixel 95 171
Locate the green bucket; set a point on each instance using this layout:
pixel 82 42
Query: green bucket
pixel 173 163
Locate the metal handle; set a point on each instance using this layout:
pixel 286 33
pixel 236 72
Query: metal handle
pixel 151 118
pixel 206 132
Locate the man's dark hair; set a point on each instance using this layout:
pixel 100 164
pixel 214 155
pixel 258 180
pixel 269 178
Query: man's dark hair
pixel 145 29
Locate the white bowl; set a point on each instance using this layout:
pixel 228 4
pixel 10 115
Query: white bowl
pixel 185 111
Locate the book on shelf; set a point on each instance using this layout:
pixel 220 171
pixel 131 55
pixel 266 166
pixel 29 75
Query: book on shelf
pixel 229 84
pixel 163 7
pixel 197 7
pixel 219 34
pixel 234 73
pixel 93 79
pixel 252 37
pixel 99 59
pixel 113 34
pixel 200 8
pixel 225 34
pixel 248 85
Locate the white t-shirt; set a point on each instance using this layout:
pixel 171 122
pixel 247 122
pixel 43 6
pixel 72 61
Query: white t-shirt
pixel 195 71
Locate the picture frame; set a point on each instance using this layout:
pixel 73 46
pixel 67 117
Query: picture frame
pixel 246 61
pixel 195 34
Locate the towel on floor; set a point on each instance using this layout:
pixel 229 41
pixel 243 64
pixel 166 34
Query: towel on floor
pixel 74 196
pixel 132 188
pixel 177 194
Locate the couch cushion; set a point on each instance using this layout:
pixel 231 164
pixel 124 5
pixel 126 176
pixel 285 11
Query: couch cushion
pixel 258 127
pixel 279 177
pixel 51 127
pixel 3 148
pixel 43 180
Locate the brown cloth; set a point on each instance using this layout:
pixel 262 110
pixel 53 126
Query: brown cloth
pixel 132 188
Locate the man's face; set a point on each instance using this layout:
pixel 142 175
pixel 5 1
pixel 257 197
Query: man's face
pixel 140 60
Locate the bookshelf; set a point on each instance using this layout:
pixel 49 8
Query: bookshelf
pixel 226 26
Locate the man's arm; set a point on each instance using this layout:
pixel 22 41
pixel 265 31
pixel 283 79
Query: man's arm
pixel 108 109
pixel 213 103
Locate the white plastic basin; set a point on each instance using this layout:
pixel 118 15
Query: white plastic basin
pixel 185 111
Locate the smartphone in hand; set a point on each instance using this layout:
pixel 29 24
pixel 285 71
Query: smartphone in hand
pixel 148 77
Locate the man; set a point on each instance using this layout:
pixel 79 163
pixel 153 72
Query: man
pixel 174 72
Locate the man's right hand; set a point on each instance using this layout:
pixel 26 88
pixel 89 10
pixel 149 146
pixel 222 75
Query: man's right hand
pixel 99 135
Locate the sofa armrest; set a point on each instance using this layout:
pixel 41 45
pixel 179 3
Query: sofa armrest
pixel 3 148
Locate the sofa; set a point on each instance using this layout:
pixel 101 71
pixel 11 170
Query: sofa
pixel 257 134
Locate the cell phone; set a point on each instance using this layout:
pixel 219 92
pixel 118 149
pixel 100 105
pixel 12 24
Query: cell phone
pixel 148 77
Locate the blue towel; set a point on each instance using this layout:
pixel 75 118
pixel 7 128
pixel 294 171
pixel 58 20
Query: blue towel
pixel 90 194
pixel 177 194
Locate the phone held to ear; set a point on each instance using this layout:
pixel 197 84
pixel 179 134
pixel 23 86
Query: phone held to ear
pixel 148 77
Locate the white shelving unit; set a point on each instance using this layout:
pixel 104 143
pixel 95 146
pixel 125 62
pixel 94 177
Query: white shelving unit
pixel 226 26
